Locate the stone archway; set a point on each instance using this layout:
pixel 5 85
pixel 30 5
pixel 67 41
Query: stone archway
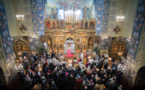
pixel 140 78
pixel 2 78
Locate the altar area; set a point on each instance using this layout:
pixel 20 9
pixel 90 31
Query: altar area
pixel 72 35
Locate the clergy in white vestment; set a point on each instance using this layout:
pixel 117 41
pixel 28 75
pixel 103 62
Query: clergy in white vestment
pixel 55 61
pixel 82 66
pixel 61 57
pixel 65 48
pixel 81 56
pixel 45 45
pixel 73 48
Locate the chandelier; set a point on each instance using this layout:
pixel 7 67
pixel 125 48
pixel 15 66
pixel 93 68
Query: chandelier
pixel 19 16
pixel 120 18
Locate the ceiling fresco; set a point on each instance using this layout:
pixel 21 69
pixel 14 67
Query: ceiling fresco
pixel 65 3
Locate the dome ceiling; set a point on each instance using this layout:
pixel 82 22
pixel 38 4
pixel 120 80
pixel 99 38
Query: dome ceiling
pixel 65 3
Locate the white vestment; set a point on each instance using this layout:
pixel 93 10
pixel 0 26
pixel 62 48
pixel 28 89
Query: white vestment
pixel 72 48
pixel 65 48
pixel 82 56
pixel 45 45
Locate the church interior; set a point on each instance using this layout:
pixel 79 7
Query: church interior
pixel 72 44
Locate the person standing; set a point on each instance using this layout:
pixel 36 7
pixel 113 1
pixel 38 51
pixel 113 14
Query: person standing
pixel 87 53
pixel 71 83
pixel 105 63
pixel 81 56
pixel 79 82
pixel 52 54
pixel 113 59
pixel 61 57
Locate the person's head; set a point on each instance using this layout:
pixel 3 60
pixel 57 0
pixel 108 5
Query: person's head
pixel 71 76
pixel 47 65
pixel 105 76
pixel 74 58
pixel 86 88
pixel 108 67
pixel 53 83
pixel 88 82
pixel 79 77
pixel 92 76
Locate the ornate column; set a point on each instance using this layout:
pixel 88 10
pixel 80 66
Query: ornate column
pixel 99 17
pixel 136 46
pixel 7 57
pixel 37 9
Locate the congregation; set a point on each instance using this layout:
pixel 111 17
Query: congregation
pixel 53 72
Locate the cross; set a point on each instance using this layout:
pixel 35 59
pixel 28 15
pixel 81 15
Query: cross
pixel 116 29
pixel 23 28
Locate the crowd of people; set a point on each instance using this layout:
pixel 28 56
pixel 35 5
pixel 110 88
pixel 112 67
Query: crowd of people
pixel 53 72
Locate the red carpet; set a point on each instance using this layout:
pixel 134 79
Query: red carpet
pixel 69 53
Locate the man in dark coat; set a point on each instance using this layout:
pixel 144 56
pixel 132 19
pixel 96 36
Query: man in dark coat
pixel 53 87
pixel 52 54
pixel 113 59
pixel 71 83
pixel 79 82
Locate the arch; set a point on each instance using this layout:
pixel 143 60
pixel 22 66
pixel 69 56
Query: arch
pixel 86 24
pixel 49 42
pixel 116 47
pixel 20 46
pixel 90 42
pixel 69 38
pixel 47 23
pixel 2 78
pixel 140 78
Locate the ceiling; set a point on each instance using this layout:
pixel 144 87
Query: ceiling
pixel 65 3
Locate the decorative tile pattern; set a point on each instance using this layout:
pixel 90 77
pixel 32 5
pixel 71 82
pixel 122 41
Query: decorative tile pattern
pixel 99 17
pixel 105 15
pixel 35 21
pixel 5 35
pixel 34 15
pixel 137 31
pixel 40 15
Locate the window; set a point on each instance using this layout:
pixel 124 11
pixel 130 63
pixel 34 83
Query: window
pixel 61 14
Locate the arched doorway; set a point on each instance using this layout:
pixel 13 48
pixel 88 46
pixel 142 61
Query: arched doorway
pixel 49 42
pixel 140 78
pixel 2 78
pixel 69 38
pixel 116 48
pixel 20 47
pixel 69 46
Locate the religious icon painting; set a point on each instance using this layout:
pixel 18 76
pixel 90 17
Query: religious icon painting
pixel 84 40
pixel 78 40
pixel 61 40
